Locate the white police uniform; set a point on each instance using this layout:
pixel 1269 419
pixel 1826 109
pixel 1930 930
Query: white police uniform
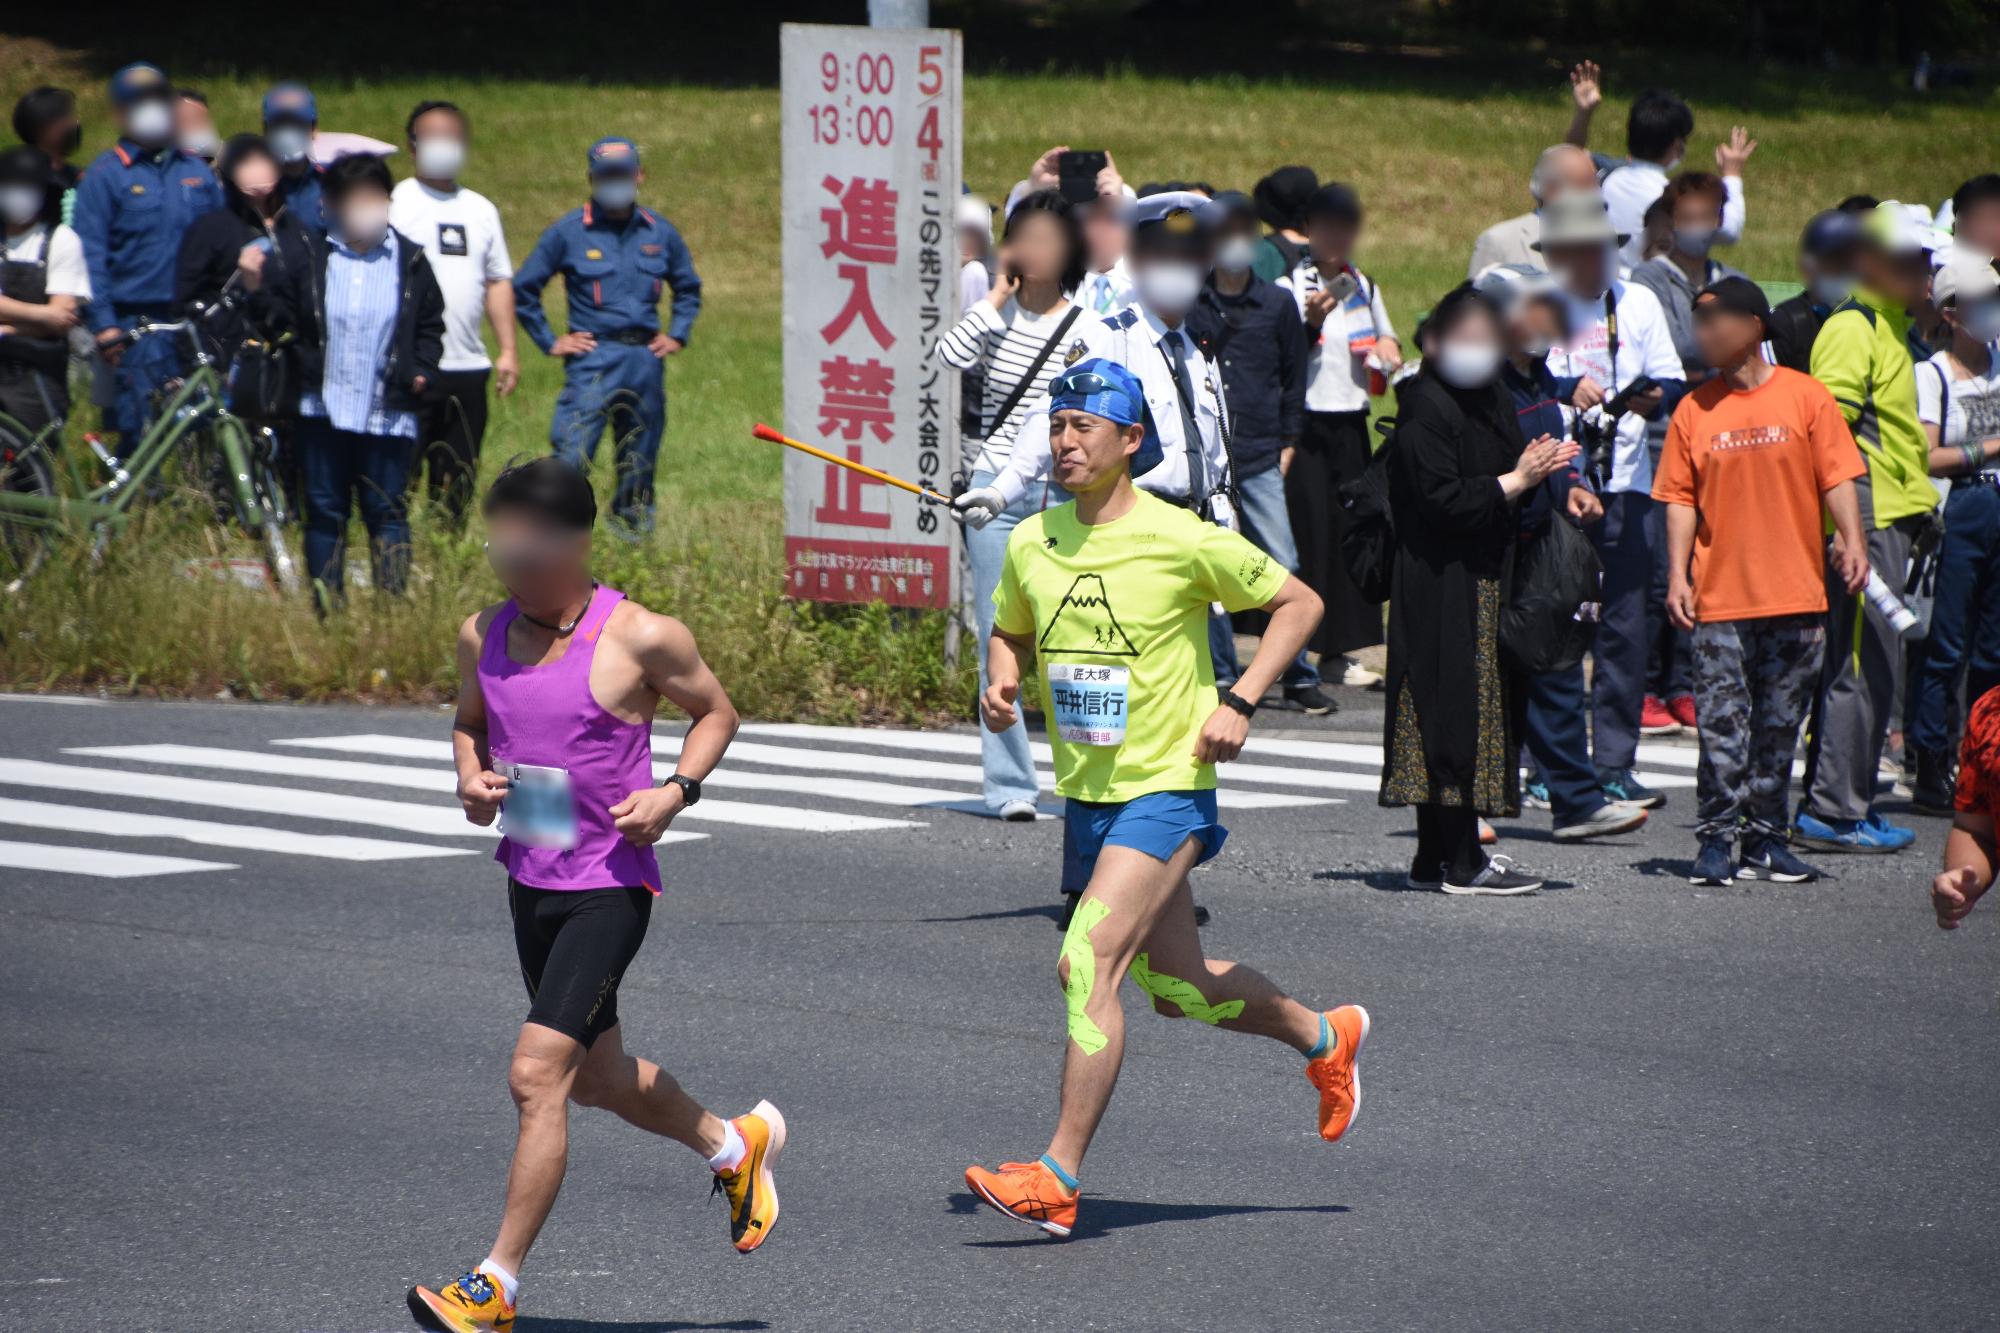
pixel 1140 341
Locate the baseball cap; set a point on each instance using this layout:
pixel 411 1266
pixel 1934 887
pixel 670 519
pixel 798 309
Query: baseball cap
pixel 1735 294
pixel 1896 229
pixel 1177 219
pixel 971 213
pixel 613 156
pixel 1508 285
pixel 1829 233
pixel 137 82
pixel 1967 276
pixel 290 101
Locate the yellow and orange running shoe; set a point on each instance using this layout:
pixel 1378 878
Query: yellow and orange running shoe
pixel 1027 1192
pixel 750 1188
pixel 1337 1074
pixel 473 1304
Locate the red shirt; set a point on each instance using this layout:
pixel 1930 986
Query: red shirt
pixel 1979 759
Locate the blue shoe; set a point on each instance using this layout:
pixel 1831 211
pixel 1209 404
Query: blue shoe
pixel 1895 834
pixel 1844 835
pixel 1767 858
pixel 1535 794
pixel 1714 864
pixel 1620 785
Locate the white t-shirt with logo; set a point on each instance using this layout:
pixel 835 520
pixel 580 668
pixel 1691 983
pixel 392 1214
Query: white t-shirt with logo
pixel 460 233
pixel 1965 411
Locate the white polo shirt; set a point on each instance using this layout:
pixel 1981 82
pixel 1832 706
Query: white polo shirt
pixel 460 232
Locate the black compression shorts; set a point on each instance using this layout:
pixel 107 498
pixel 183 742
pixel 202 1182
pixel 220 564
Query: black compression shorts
pixel 575 945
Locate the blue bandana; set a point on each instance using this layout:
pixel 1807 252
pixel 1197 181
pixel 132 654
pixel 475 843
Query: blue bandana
pixel 1106 389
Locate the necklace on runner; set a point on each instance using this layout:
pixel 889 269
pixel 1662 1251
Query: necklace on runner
pixel 576 620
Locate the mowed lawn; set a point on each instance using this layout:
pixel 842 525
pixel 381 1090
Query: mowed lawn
pixel 1436 160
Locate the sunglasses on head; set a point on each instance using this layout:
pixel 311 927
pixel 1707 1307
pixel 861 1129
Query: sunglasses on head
pixel 1084 382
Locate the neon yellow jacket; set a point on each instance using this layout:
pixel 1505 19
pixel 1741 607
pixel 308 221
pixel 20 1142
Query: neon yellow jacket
pixel 1862 355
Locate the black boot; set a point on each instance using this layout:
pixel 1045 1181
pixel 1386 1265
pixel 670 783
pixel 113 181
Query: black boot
pixel 1936 776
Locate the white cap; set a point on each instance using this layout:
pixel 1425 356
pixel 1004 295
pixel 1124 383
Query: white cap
pixel 1966 276
pixel 973 213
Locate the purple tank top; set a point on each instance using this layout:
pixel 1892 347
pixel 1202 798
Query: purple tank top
pixel 546 715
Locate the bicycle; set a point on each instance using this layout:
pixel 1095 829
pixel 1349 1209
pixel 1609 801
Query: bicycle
pixel 37 500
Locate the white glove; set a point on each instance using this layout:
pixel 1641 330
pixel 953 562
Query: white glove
pixel 978 506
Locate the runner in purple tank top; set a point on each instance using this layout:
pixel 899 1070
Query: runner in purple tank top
pixel 558 686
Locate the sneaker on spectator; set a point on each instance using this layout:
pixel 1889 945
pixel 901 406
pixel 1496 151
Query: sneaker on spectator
pixel 1311 700
pixel 1843 835
pixel 1605 821
pixel 1655 720
pixel 1715 864
pixel 1895 834
pixel 1767 858
pixel 1535 793
pixel 1497 878
pixel 1352 673
pixel 1932 792
pixel 1622 785
pixel 1681 709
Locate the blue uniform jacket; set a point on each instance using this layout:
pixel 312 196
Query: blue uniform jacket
pixel 615 273
pixel 1538 398
pixel 132 208
pixel 301 194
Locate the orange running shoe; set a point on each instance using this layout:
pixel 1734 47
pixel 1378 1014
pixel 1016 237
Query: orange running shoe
pixel 473 1304
pixel 1027 1192
pixel 750 1188
pixel 1337 1074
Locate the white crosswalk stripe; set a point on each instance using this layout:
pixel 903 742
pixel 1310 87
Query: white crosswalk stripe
pixel 777 778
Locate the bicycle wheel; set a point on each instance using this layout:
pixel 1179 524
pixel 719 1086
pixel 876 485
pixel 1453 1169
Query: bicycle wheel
pixel 24 538
pixel 254 492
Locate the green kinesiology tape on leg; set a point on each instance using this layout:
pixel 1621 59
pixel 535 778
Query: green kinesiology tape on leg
pixel 1193 1004
pixel 1082 961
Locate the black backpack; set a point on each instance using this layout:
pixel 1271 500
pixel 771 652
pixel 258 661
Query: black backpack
pixel 1368 542
pixel 1556 574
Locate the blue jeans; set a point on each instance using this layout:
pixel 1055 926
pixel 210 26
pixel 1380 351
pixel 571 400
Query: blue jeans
pixel 1260 504
pixel 1965 617
pixel 1008 764
pixel 626 385
pixel 1619 685
pixel 340 469
pixel 146 365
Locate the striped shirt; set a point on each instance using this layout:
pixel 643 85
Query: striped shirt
pixel 1003 343
pixel 363 293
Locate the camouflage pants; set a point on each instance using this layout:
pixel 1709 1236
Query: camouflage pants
pixel 1753 682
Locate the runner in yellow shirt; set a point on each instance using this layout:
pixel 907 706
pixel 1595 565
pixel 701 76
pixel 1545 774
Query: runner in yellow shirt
pixel 1110 594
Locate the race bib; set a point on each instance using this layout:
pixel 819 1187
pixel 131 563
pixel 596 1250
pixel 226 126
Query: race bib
pixel 539 809
pixel 1089 702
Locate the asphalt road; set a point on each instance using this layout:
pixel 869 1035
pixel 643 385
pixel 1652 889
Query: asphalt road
pixel 265 1090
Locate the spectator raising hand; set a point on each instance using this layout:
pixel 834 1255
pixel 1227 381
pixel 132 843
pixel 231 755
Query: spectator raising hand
pixel 1731 154
pixel 1586 89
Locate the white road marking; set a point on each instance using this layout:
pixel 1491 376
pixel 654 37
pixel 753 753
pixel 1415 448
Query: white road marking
pixel 441 780
pixel 100 865
pixel 247 837
pixel 49 699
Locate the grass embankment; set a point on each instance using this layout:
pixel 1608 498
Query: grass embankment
pixel 1436 160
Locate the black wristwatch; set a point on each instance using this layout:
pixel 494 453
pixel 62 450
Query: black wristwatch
pixel 1231 699
pixel 690 787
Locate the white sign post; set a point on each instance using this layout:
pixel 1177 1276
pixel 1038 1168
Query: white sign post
pixel 871 170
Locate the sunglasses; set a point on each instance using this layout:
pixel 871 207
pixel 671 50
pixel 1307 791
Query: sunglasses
pixel 1083 382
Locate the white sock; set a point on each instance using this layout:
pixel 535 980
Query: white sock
pixel 510 1285
pixel 733 1148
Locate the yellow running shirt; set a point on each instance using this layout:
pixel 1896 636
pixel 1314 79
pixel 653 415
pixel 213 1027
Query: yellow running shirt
pixel 1118 614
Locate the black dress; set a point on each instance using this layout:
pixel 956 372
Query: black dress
pixel 1333 450
pixel 1448 733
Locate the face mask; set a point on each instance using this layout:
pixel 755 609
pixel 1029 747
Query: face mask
pixel 1982 321
pixel 1694 242
pixel 21 204
pixel 201 144
pixel 289 143
pixel 362 225
pixel 1236 254
pixel 1468 365
pixel 1168 287
pixel 150 123
pixel 616 193
pixel 1831 289
pixel 1673 166
pixel 71 141
pixel 440 159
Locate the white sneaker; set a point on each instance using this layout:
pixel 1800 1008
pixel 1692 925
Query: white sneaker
pixel 1360 677
pixel 1497 879
pixel 1018 812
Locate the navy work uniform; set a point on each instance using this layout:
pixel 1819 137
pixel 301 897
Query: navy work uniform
pixel 615 262
pixel 291 115
pixel 133 205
